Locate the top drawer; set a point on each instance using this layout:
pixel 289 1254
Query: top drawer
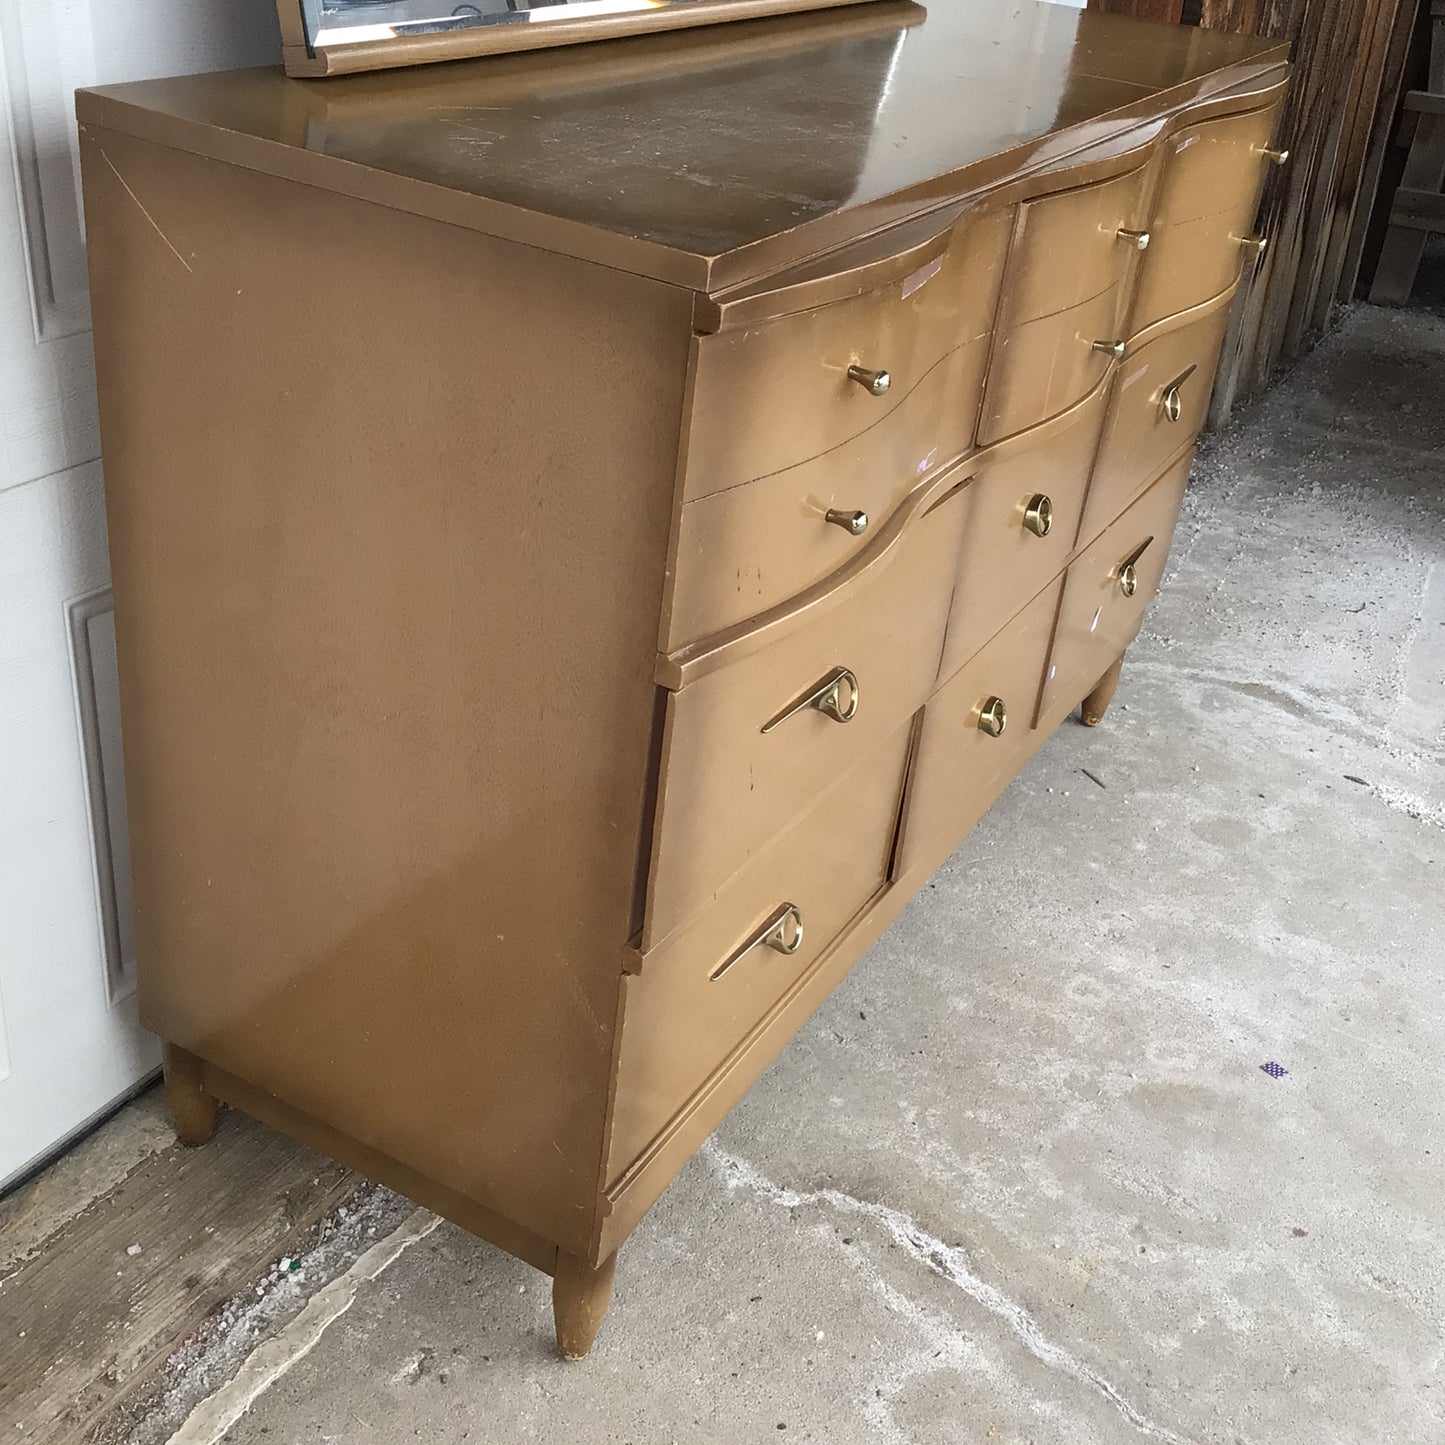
pixel 1200 235
pixel 1071 246
pixel 769 395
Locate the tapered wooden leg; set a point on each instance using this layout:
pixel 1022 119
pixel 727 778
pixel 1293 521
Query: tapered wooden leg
pixel 580 1296
pixel 192 1108
pixel 1097 703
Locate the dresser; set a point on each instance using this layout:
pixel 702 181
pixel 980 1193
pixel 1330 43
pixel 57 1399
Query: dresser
pixel 592 531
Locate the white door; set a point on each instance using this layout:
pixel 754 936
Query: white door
pixel 69 1042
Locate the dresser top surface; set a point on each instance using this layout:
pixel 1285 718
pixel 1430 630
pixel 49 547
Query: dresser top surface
pixel 743 141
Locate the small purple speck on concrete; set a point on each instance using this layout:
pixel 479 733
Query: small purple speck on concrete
pixel 1274 1070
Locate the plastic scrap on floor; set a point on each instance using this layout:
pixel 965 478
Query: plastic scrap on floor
pixel 1274 1070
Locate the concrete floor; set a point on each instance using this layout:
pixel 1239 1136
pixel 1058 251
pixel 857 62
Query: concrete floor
pixel 1024 1178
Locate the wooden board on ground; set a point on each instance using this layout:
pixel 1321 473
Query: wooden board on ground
pixel 90 1310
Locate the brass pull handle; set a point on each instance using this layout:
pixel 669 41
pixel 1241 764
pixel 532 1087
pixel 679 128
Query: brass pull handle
pixel 1274 157
pixel 1128 572
pixel 1255 245
pixel 1110 348
pixel 827 696
pixel 875 383
pixel 1172 399
pixel 854 523
pixel 992 717
pixel 1139 239
pixel 1039 514
pixel 781 930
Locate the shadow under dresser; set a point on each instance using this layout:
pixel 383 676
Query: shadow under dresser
pixel 593 530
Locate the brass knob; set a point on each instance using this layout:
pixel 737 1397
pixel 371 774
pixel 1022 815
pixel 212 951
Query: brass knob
pixel 854 523
pixel 993 717
pixel 875 383
pixel 1038 514
pixel 786 934
pixel 1274 157
pixel 1128 579
pixel 830 700
pixel 1255 245
pixel 1140 239
pixel 1111 348
pixel 1173 404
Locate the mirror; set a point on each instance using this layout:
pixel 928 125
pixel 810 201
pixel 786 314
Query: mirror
pixel 335 37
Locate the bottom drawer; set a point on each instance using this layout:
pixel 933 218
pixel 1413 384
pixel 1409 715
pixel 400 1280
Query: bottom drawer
pixel 977 732
pixel 1106 590
pixel 699 1000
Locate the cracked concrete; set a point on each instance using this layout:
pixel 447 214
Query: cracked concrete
pixel 1023 1178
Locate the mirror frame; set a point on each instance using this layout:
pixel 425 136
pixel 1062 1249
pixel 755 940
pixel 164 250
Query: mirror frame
pixel 362 55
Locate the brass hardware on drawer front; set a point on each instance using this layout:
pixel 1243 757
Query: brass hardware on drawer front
pixel 781 930
pixel 1111 348
pixel 1275 157
pixel 1139 239
pixel 854 523
pixel 1127 571
pixel 1171 400
pixel 992 717
pixel 826 697
pixel 1255 245
pixel 875 383
pixel 1039 514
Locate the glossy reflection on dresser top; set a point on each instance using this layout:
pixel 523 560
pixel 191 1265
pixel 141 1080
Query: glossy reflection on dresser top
pixel 687 147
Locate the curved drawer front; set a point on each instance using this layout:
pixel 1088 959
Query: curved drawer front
pixel 744 550
pixel 769 396
pixel 1203 214
pixel 698 999
pixel 750 744
pixel 1071 245
pixel 1106 590
pixel 964 761
pixel 1042 367
pixel 1156 406
pixel 1023 510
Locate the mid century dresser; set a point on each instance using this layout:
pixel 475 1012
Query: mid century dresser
pixel 593 530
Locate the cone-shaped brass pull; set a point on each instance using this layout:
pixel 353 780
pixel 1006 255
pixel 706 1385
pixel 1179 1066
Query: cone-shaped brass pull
pixel 875 383
pixel 1173 404
pixel 1111 348
pixel 1138 239
pixel 993 717
pixel 1274 157
pixel 1255 245
pixel 1128 579
pixel 1038 514
pixel 854 523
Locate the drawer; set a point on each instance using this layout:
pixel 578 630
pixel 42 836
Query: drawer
pixel 1071 245
pixel 749 548
pixel 698 1000
pixel 1022 517
pixel 1041 367
pixel 964 760
pixel 760 726
pixel 1204 212
pixel 769 395
pixel 1156 406
pixel 1106 590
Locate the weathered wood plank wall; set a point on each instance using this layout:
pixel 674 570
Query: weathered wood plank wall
pixel 1347 56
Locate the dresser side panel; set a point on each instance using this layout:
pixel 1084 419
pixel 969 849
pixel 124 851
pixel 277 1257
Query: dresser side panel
pixel 389 506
